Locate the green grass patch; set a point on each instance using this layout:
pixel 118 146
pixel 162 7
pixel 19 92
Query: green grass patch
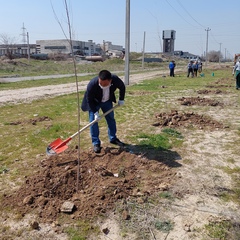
pixel 172 132
pixel 156 141
pixel 218 230
pixel 234 195
pixel 82 230
pixel 42 82
pixel 166 195
pixel 3 169
pixel 164 226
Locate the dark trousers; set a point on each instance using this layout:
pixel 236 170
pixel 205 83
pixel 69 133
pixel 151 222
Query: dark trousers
pixel 195 72
pixel 190 70
pixel 238 80
pixel 171 72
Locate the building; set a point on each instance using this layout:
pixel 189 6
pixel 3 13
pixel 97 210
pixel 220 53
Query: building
pixel 63 46
pixel 89 48
pixel 186 55
pixel 168 37
pixel 108 46
pixel 17 49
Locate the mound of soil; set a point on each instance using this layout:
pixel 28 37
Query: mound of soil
pixel 199 101
pixel 221 82
pixel 91 187
pixel 205 91
pixel 182 119
pixel 32 121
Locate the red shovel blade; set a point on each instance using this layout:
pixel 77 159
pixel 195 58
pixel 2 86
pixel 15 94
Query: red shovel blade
pixel 57 146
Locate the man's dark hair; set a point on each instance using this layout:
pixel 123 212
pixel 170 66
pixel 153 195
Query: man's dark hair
pixel 105 75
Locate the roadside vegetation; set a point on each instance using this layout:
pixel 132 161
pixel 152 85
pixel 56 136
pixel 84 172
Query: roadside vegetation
pixel 24 67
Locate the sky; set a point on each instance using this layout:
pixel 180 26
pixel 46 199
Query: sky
pixel 200 25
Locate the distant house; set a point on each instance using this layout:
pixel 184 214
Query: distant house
pixel 17 50
pixel 63 46
pixel 185 55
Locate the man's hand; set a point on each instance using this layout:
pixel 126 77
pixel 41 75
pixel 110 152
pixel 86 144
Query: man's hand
pixel 120 102
pixel 96 116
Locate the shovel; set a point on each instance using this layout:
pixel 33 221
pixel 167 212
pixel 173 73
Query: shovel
pixel 58 145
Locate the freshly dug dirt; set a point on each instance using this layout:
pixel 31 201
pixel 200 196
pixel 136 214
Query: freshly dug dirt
pixel 183 119
pixel 206 91
pixel 104 179
pixel 32 121
pixel 221 82
pixel 199 101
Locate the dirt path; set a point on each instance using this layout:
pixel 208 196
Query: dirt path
pixel 30 94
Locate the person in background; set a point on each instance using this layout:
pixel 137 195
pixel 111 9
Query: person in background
pixel 100 95
pixel 199 66
pixel 195 68
pixel 190 68
pixel 172 66
pixel 236 71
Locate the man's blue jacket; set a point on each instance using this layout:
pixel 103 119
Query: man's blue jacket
pixel 171 65
pixel 94 93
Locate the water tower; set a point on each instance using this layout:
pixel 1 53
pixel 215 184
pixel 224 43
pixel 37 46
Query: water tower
pixel 168 40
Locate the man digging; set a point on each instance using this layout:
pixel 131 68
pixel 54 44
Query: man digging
pixel 100 95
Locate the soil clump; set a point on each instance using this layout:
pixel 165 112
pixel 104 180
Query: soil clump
pixel 188 101
pixel 176 119
pixel 105 178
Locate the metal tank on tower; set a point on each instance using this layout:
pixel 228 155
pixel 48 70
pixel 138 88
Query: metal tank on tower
pixel 168 40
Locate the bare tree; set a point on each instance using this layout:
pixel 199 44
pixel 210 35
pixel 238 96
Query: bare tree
pixel 8 43
pixel 213 56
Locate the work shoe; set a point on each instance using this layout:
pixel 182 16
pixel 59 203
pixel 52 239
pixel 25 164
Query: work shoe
pixel 117 142
pixel 97 148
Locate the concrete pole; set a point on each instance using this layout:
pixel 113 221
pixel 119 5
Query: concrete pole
pixel 220 53
pixel 28 46
pixel 143 52
pixel 127 42
pixel 208 29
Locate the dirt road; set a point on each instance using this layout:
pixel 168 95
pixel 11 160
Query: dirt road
pixel 30 94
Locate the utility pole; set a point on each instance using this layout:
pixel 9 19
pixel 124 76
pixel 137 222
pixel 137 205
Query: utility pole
pixel 104 50
pixel 208 29
pixel 220 52
pixel 28 46
pixel 225 55
pixel 127 42
pixel 143 52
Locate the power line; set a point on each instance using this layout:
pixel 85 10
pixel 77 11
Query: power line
pixel 179 13
pixel 190 14
pixel 214 38
pixel 159 36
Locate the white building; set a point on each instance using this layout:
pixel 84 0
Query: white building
pixel 81 48
pixel 108 46
pixel 63 46
pixel 17 49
